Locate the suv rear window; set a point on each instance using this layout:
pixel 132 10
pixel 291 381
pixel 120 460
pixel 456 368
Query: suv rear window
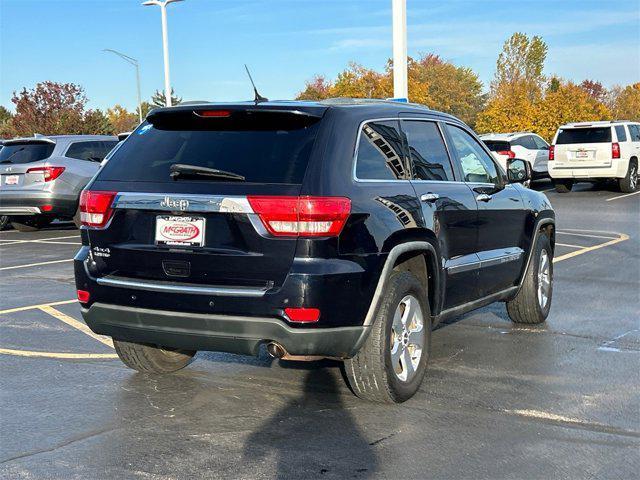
pixel 497 146
pixel 26 152
pixel 584 135
pixel 261 149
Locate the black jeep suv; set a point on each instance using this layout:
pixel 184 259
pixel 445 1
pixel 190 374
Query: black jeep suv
pixel 343 229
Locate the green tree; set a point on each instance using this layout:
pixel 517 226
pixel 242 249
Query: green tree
pixel 95 122
pixel 521 63
pixel 158 99
pixel 146 108
pixel 6 124
pixel 448 88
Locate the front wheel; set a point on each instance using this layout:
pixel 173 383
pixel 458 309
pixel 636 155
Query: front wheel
pixel 152 358
pixel 532 303
pixel 390 366
pixel 629 183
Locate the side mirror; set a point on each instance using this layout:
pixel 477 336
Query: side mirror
pixel 518 170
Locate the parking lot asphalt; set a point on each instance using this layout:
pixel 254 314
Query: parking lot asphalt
pixel 560 400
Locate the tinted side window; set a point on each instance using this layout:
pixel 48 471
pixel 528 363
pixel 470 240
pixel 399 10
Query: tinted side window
pixel 634 132
pixel 526 142
pixel 380 152
pixel 622 135
pixel 427 151
pixel 540 144
pixel 93 151
pixel 477 166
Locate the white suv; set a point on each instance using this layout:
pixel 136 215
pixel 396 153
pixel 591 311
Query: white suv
pixel 595 151
pixel 525 145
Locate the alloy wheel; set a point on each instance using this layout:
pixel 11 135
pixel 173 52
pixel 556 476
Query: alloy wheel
pixel 544 279
pixel 408 338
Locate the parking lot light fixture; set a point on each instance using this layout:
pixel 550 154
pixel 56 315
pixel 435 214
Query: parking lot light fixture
pixel 133 62
pixel 165 44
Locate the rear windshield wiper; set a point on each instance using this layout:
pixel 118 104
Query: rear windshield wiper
pixel 184 170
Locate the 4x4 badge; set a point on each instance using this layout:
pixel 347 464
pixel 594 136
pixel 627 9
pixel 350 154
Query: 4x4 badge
pixel 180 204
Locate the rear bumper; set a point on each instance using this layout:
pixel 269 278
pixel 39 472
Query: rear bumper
pixel 225 333
pixel 617 169
pixel 26 202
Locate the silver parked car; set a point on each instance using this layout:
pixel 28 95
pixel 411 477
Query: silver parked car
pixel 41 177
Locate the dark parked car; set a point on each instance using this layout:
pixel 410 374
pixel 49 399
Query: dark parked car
pixel 342 229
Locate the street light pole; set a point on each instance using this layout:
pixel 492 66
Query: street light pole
pixel 399 11
pixel 165 44
pixel 133 62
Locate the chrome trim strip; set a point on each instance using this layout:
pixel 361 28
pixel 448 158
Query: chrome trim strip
pixel 495 257
pixel 20 210
pixel 171 202
pixel 186 289
pixel 463 267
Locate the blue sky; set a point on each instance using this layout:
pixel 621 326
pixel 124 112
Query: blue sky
pixel 286 42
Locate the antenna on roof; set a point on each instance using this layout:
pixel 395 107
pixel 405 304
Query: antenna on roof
pixel 258 98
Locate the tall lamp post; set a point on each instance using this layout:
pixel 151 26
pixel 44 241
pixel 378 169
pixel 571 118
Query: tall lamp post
pixel 133 62
pixel 165 44
pixel 399 11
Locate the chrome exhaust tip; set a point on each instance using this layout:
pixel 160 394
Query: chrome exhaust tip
pixel 276 350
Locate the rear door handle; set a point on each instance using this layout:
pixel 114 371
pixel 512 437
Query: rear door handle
pixel 429 197
pixel 483 197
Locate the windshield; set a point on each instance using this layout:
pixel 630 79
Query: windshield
pixel 273 154
pixel 584 135
pixel 25 152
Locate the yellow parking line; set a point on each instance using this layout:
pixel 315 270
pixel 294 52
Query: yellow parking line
pixel 589 235
pixel 621 238
pixel 31 353
pixel 72 322
pixel 36 264
pixel 31 307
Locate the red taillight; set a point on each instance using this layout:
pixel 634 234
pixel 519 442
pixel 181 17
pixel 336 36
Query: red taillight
pixel 508 153
pixel 95 208
pixel 46 208
pixel 214 113
pixel 615 150
pixel 303 315
pixel 552 152
pixel 83 296
pixel 302 216
pixel 50 173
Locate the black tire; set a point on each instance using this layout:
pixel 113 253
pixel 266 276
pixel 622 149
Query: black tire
pixel 4 222
pixel 629 183
pixel 370 373
pixel 29 224
pixel 563 186
pixel 150 358
pixel 526 307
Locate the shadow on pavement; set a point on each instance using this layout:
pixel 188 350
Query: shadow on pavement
pixel 313 436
